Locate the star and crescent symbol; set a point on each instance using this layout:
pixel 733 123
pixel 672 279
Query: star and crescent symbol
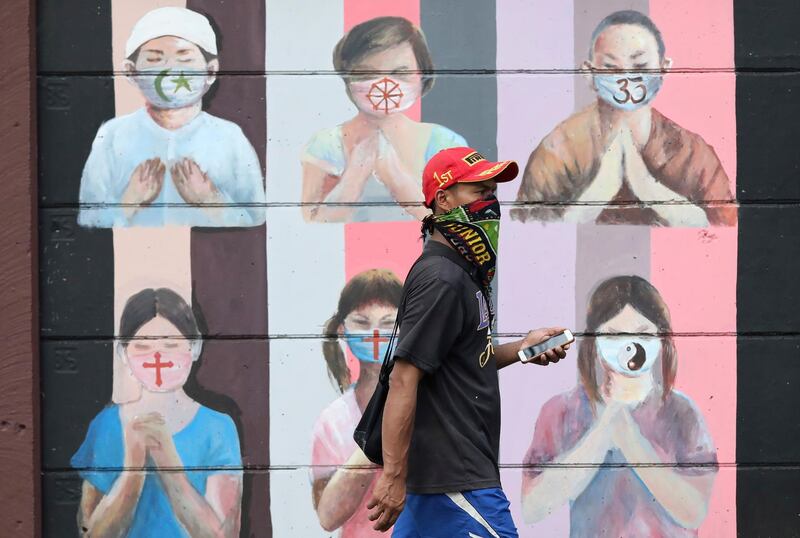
pixel 181 81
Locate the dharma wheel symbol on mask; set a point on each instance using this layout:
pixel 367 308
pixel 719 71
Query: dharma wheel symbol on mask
pixel 385 95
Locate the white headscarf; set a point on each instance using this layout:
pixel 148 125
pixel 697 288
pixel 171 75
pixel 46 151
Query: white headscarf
pixel 176 21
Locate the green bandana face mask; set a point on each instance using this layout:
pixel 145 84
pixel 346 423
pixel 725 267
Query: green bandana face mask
pixel 473 230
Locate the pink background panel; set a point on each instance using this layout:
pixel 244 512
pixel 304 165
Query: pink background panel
pixel 358 11
pixel 699 36
pixel 695 271
pixel 384 245
pixel 704 103
pixel 707 374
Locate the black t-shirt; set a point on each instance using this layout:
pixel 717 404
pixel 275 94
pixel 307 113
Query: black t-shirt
pixel 443 332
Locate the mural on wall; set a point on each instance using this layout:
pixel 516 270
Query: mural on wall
pixel 600 163
pixel 624 410
pixel 377 156
pixel 165 452
pixel 193 478
pixel 363 321
pixel 570 463
pixel 343 231
pixel 169 162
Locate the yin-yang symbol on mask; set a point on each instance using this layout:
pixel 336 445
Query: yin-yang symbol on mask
pixel 634 356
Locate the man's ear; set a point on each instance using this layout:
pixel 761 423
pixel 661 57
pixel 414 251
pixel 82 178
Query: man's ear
pixel 442 201
pixel 213 69
pixel 129 69
pixel 666 64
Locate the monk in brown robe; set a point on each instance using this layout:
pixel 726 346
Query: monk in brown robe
pixel 620 161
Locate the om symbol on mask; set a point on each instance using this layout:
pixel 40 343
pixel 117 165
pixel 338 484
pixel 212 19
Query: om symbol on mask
pixel 639 87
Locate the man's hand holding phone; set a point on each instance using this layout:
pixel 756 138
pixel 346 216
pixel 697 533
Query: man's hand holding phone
pixel 544 346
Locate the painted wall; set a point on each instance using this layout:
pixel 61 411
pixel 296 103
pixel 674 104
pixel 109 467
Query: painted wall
pixel 197 154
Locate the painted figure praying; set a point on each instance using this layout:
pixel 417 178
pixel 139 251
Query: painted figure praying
pixel 619 160
pixel 356 171
pixel 169 162
pixel 163 464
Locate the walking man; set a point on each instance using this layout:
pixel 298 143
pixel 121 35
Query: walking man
pixel 441 421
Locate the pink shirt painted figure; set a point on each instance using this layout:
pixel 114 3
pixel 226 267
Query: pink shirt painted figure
pixel 616 502
pixel 332 446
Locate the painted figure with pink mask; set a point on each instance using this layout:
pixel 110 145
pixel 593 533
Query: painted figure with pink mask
pixel 164 464
pixel 356 171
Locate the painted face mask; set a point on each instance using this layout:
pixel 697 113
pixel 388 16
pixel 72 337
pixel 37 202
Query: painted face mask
pixel 629 356
pixel 367 348
pixel 627 91
pixel 384 96
pixel 172 88
pixel 161 371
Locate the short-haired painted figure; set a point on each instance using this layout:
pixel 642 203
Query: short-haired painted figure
pixel 363 320
pixel 625 410
pixel 193 483
pixel 621 149
pixel 378 155
pixel 170 163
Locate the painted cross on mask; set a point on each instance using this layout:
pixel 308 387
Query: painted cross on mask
pixel 158 365
pixel 376 340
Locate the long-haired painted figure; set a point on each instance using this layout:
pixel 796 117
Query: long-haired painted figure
pixel 193 483
pixel 363 320
pixel 624 411
pixel 378 155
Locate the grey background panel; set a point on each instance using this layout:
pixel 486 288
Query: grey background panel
pixel 462 36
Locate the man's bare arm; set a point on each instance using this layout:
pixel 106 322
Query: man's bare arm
pixel 388 497
pixel 398 417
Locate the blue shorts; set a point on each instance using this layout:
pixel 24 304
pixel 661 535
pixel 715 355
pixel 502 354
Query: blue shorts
pixel 481 513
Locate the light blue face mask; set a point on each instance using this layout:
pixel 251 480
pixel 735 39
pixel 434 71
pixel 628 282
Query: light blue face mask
pixel 629 356
pixel 172 88
pixel 367 347
pixel 627 91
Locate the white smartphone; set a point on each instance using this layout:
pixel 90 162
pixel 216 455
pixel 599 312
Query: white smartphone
pixel 561 339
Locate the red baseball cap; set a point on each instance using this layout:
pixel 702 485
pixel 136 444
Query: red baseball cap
pixel 462 165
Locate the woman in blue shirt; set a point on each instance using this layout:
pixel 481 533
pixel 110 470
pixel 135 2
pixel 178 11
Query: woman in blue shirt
pixel 163 465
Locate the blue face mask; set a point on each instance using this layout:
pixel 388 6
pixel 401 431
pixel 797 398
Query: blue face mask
pixel 627 91
pixel 629 356
pixel 367 347
pixel 172 88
